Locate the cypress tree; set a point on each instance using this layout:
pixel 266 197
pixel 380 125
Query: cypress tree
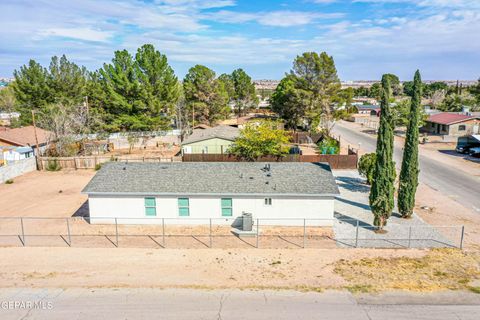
pixel 409 172
pixel 383 186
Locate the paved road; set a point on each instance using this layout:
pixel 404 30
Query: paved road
pixel 454 183
pixel 94 304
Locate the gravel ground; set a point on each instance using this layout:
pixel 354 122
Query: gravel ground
pixel 352 205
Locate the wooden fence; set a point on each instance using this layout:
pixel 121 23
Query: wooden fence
pixel 336 161
pixel 91 162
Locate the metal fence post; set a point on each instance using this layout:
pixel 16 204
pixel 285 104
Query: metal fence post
pixel 258 227
pixel 116 231
pixel 461 237
pixel 356 234
pixel 68 232
pixel 23 232
pixel 304 232
pixel 409 236
pixel 210 232
pixel 163 232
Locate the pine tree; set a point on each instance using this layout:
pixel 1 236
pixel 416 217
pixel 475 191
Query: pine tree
pixel 31 90
pixel 383 188
pixel 409 172
pixel 205 95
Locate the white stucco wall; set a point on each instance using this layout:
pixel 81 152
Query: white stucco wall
pixel 292 209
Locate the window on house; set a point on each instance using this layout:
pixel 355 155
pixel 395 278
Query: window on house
pixel 462 127
pixel 150 207
pixel 183 207
pixel 227 209
pixel 268 201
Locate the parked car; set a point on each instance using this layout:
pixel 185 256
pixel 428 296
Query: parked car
pixel 475 152
pixel 464 144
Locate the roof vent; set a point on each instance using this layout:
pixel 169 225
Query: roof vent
pixel 251 178
pixel 124 168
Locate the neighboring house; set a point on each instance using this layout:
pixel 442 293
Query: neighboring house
pixel 364 100
pixel 241 122
pixel 210 140
pixel 370 110
pixel 7 117
pixel 452 124
pixel 13 154
pixel 201 126
pixel 24 137
pixel 222 191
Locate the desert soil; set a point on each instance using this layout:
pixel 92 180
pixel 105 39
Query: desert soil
pixel 307 269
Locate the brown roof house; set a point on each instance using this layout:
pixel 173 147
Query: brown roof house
pixel 452 124
pixel 24 137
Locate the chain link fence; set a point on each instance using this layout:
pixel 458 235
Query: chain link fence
pixel 218 233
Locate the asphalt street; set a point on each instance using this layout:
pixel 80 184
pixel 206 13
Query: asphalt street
pixel 126 303
pixel 453 183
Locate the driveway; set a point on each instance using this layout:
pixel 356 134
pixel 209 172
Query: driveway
pixel 454 183
pixel 353 205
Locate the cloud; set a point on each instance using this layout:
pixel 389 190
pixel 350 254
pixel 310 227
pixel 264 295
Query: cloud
pixel 438 35
pixel 472 4
pixel 283 18
pixel 79 33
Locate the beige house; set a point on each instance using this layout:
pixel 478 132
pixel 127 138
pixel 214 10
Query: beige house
pixel 452 124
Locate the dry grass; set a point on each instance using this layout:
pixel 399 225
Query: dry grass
pixel 440 269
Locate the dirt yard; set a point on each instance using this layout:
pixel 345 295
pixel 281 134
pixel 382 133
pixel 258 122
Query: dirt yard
pixel 203 268
pixel 44 194
pixel 304 270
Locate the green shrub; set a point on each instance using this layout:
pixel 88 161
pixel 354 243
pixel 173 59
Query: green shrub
pixel 9 181
pixel 329 146
pixel 53 165
pixel 98 166
pixel 366 165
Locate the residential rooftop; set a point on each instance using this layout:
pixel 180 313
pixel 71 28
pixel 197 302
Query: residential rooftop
pixel 214 178
pixel 221 132
pixel 448 118
pixel 24 136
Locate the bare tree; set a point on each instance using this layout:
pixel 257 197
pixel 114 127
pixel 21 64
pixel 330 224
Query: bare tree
pixel 437 98
pixel 69 125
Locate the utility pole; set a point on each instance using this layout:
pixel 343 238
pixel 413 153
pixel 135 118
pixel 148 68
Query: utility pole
pixel 193 116
pixel 37 154
pixel 88 110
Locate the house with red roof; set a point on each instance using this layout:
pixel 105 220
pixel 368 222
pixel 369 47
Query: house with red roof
pixel 452 124
pixel 24 137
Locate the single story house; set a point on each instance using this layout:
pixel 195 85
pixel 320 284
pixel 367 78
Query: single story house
pixel 281 193
pixel 24 137
pixel 371 110
pixel 12 154
pixel 214 140
pixel 452 124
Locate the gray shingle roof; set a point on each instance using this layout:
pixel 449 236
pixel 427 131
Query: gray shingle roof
pixel 214 178
pixel 222 132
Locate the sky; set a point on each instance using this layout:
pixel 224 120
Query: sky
pixel 366 37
